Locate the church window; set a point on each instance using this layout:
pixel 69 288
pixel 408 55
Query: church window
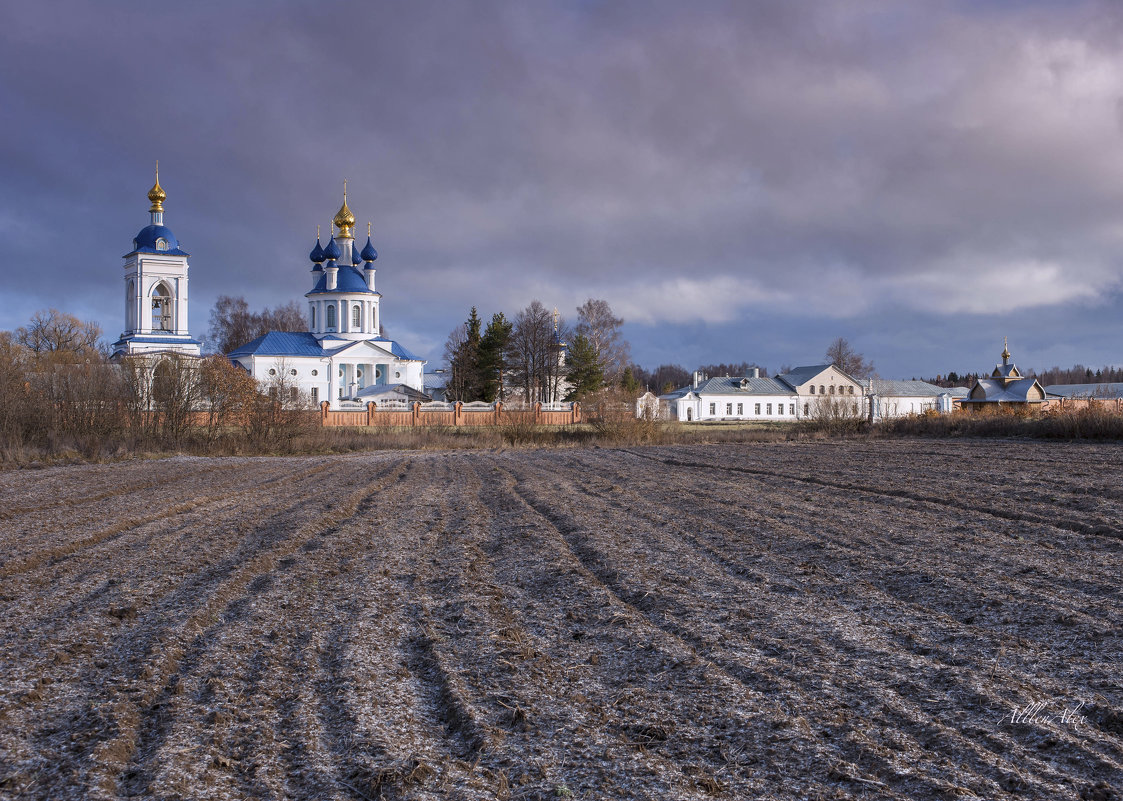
pixel 294 394
pixel 397 375
pixel 729 408
pixel 756 408
pixel 791 408
pixel 315 372
pixel 740 409
pixel 161 244
pixel 812 389
pixel 272 372
pixel 713 408
pixel 331 316
pixel 822 390
pixel 292 372
pixel 832 389
pixel 806 409
pixel 768 409
pixel 779 408
pixel 356 317
pixel 850 391
pixel 377 372
pixel 313 318
pixel 315 391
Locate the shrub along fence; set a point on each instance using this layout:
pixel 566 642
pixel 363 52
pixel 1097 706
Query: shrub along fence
pixel 416 414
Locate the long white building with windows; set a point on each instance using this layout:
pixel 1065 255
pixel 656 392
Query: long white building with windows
pixel 342 358
pixel 798 394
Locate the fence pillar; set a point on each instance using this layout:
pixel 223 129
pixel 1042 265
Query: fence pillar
pixel 575 412
pixel 498 413
pixel 458 414
pixel 538 412
pixel 415 417
pixel 324 412
pixel 370 413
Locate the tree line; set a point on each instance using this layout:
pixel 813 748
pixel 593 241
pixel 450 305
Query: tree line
pixel 536 356
pixel 60 391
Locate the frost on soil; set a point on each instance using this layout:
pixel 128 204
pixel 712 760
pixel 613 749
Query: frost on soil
pixel 871 620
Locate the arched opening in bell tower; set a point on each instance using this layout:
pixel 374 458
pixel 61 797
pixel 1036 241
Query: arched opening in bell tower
pixel 162 308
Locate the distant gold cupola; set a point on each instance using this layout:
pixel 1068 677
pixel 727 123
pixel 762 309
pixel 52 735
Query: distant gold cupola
pixel 344 219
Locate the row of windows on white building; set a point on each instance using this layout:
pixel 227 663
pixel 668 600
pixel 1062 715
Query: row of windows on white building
pixel 327 308
pixel 756 409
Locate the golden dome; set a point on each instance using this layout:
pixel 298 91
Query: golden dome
pixel 344 219
pixel 157 194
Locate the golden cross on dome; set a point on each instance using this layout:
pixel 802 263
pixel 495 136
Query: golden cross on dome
pixel 368 229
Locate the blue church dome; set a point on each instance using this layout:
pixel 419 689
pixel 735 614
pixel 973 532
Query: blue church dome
pixel 369 253
pixel 355 260
pixel 332 251
pixel 157 239
pixel 317 254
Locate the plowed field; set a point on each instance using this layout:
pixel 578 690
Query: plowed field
pixel 902 620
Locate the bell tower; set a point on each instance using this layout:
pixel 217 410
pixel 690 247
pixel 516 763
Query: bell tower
pixel 156 288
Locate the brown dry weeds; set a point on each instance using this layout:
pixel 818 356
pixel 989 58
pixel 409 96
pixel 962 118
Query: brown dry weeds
pixel 767 621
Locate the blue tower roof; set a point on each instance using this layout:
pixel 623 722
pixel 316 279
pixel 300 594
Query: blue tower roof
pixel 332 251
pixel 369 253
pixel 317 254
pixel 355 256
pixel 146 241
pixel 347 279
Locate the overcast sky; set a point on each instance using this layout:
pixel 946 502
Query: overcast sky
pixel 740 180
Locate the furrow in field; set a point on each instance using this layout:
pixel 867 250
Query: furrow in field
pixel 1021 514
pixel 23 554
pixel 140 667
pixel 894 714
pixel 50 494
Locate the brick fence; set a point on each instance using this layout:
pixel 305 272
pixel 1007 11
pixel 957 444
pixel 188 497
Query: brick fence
pixel 451 414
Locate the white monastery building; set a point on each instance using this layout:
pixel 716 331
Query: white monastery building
pixel 342 358
pixel 156 289
pixel 795 395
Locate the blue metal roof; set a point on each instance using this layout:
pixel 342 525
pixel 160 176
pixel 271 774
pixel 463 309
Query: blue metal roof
pixel 170 339
pixel 332 251
pixel 369 253
pixel 281 343
pixel 348 279
pixel 303 343
pixel 145 241
pixel 398 350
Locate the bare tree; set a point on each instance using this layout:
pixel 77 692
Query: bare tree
pixel 454 349
pixel 535 354
pixel 597 323
pixel 843 356
pixel 233 323
pixel 290 317
pixel 59 336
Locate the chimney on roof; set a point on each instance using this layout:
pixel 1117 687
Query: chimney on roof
pixel 754 372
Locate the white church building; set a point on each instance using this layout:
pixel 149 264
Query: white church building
pixel 342 358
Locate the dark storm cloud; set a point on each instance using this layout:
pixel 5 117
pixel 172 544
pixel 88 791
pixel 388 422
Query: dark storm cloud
pixel 740 180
